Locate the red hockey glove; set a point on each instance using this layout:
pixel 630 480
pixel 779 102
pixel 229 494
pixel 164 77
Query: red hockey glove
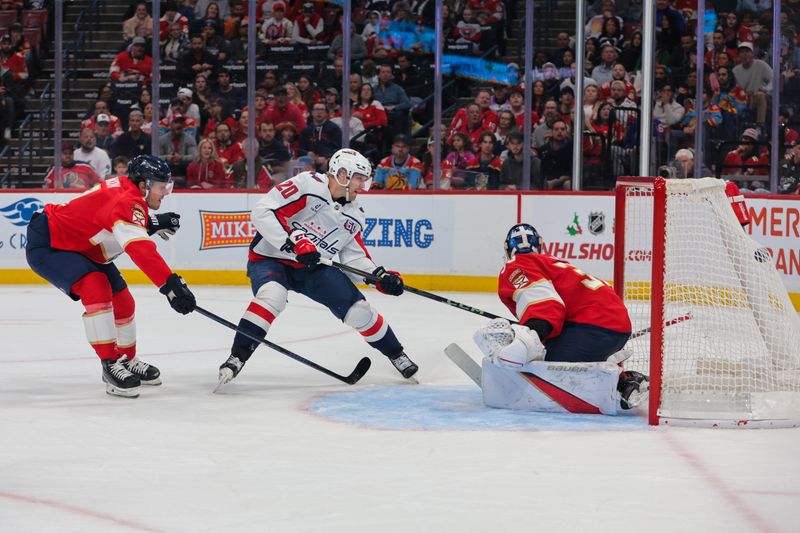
pixel 390 282
pixel 304 249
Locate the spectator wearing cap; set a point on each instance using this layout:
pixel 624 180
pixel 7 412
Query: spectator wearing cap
pixel 132 65
pixel 282 111
pixel 755 77
pixel 512 167
pixel 331 98
pixel 215 42
pixel 177 107
pixel 739 160
pixel 12 61
pixel 74 174
pixel 206 170
pixel 602 73
pixel 400 170
pixel 237 47
pixel 277 29
pixel 308 26
pixel 197 60
pixel 130 28
pixel 177 147
pixel 176 45
pixel 618 72
pixel 101 108
pixel 102 134
pixel 190 109
pixel 21 45
pixel 499 100
pixel 234 97
pixel 321 138
pixel 134 141
pixel 170 16
pixel 89 153
pixel 207 11
pixel 789 172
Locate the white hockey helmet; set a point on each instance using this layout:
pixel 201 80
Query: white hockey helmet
pixel 353 163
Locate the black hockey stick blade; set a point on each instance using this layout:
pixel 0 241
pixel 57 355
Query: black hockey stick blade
pixel 357 373
pixel 374 279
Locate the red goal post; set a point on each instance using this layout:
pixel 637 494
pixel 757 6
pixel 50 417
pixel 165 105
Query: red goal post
pixel 680 251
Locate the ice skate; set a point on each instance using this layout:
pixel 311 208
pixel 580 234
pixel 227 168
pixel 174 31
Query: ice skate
pixel 147 374
pixel 118 379
pixel 633 388
pixel 229 370
pixel 405 366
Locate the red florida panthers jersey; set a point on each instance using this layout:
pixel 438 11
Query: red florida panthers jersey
pixel 544 287
pixel 103 222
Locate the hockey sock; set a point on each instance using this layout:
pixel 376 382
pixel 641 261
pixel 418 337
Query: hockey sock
pixel 124 308
pixel 256 320
pixel 364 319
pixel 388 345
pixel 94 291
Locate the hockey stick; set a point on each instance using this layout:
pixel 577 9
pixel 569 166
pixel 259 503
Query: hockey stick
pixel 676 320
pixel 464 362
pixel 375 279
pixel 359 371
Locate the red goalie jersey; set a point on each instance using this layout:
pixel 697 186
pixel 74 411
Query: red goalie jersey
pixel 541 286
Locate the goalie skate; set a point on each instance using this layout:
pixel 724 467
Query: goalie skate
pixel 633 388
pixel 118 379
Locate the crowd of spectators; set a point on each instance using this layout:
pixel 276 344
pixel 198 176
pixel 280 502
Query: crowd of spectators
pixel 298 98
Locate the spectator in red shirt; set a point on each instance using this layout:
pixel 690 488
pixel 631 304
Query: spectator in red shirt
pixel 171 16
pixel 74 174
pixel 101 108
pixel 282 111
pixel 12 61
pixel 229 152
pixel 369 110
pixel 206 171
pixel 133 64
pixel 472 127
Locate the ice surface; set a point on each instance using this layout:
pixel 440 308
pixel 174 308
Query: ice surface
pixel 284 448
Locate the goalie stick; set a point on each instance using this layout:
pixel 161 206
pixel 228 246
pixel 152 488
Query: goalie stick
pixel 374 279
pixel 472 369
pixel 357 373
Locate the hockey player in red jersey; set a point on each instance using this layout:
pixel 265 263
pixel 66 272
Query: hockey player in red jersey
pixel 300 220
pixel 72 246
pixel 565 315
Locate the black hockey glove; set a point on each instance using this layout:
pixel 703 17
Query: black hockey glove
pixel 390 282
pixel 164 225
pixel 180 297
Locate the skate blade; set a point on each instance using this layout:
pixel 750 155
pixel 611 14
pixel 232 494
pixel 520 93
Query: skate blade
pixel 413 380
pixel 225 376
pixel 152 382
pixel 122 393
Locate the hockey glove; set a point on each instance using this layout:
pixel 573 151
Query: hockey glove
pixel 164 225
pixel 390 282
pixel 304 249
pixel 180 297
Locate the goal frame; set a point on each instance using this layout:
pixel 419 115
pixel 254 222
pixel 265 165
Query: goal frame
pixel 657 273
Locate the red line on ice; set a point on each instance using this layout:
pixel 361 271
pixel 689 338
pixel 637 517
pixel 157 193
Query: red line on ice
pixel 79 511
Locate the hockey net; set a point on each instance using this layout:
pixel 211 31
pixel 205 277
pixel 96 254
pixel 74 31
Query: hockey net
pixel 730 355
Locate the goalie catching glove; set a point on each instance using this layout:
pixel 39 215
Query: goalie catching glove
pixel 389 281
pixel 510 345
pixel 180 297
pixel 164 225
pixel 305 251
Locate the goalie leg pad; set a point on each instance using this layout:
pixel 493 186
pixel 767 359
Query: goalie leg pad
pixel 588 388
pixel 513 346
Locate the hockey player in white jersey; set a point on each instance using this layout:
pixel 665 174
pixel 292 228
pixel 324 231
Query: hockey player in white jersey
pixel 299 221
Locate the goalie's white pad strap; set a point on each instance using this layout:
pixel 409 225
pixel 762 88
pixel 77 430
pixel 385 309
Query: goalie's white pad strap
pixel 589 388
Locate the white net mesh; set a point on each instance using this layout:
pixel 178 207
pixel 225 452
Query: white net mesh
pixel 738 356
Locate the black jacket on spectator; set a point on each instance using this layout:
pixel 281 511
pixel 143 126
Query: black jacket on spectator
pixel 188 60
pixel 322 140
pixel 275 151
pixel 130 147
pixel 556 162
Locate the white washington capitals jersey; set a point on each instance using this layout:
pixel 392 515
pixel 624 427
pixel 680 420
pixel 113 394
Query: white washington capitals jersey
pixel 305 203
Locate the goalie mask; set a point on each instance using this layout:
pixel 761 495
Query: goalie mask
pixel 522 239
pixel 352 163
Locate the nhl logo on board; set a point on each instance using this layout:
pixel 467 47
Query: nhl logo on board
pixel 597 222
